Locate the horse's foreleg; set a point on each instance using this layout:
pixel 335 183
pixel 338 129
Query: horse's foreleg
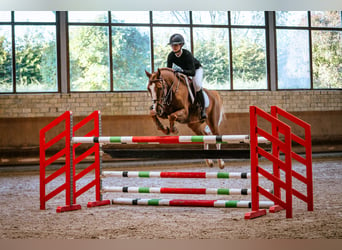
pixel 180 115
pixel 172 119
pixel 160 126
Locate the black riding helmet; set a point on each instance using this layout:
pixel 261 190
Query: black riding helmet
pixel 176 39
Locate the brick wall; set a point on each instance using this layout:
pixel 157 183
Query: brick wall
pixel 137 103
pixel 127 113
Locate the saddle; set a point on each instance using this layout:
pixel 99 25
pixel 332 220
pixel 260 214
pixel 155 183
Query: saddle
pixel 191 89
pixel 189 83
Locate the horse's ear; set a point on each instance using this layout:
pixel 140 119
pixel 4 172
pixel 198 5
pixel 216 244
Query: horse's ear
pixel 147 73
pixel 158 72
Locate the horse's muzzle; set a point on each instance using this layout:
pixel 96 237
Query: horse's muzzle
pixel 157 109
pixel 160 109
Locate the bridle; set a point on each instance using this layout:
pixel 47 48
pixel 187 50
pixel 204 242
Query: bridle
pixel 165 98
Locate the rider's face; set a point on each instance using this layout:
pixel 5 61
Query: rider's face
pixel 176 47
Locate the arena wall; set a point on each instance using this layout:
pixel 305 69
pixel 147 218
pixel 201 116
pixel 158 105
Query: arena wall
pixel 127 113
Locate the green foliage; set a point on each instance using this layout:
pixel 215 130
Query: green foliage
pixel 249 61
pixel 89 58
pixel 5 66
pixel 160 56
pixel 35 63
pixel 215 60
pixel 28 61
pixel 131 56
pixel 327 59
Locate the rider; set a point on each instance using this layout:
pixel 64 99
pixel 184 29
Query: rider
pixel 181 60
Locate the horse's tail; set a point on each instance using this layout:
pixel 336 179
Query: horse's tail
pixel 217 111
pixel 221 107
pixel 222 116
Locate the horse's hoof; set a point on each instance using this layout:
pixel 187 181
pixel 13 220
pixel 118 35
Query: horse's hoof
pixel 174 130
pixel 166 131
pixel 221 164
pixel 210 163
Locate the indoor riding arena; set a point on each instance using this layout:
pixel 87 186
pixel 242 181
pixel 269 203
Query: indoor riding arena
pixel 82 161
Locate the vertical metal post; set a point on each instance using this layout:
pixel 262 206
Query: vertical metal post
pixel 63 31
pixel 275 153
pixel 253 133
pixel 71 174
pixel 42 169
pixel 272 47
pixel 288 172
pixel 254 159
pixel 99 174
pixel 308 157
pixel 98 166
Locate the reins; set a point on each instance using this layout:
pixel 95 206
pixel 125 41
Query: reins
pixel 168 96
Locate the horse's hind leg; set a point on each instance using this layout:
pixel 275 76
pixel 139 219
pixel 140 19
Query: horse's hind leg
pixel 172 119
pixel 218 147
pixel 202 129
pixel 220 161
pixel 210 163
pixel 215 117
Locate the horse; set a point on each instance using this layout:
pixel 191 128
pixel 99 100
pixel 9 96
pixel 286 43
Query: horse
pixel 171 99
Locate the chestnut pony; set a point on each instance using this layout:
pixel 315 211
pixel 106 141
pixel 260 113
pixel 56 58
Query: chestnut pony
pixel 171 100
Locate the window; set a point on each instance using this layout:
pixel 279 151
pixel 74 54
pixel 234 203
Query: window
pixel 87 17
pixel 292 18
pixel 224 50
pixel 210 17
pixel 250 18
pixel 131 56
pixel 131 49
pixel 35 57
pixel 293 59
pixel 171 17
pixel 329 19
pixel 309 49
pixel 130 17
pixel 249 50
pixel 249 58
pixel 211 47
pixel 166 23
pixel 92 39
pixel 89 58
pixel 6 84
pixel 89 51
pixel 161 36
pixel 5 16
pixel 109 51
pixel 327 49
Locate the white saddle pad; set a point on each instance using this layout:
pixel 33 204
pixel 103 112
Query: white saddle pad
pixel 206 99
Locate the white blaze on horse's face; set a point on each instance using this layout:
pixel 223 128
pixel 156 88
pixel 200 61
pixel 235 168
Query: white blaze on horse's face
pixel 152 89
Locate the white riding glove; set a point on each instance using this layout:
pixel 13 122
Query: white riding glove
pixel 176 68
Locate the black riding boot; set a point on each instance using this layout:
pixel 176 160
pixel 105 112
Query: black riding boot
pixel 200 98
